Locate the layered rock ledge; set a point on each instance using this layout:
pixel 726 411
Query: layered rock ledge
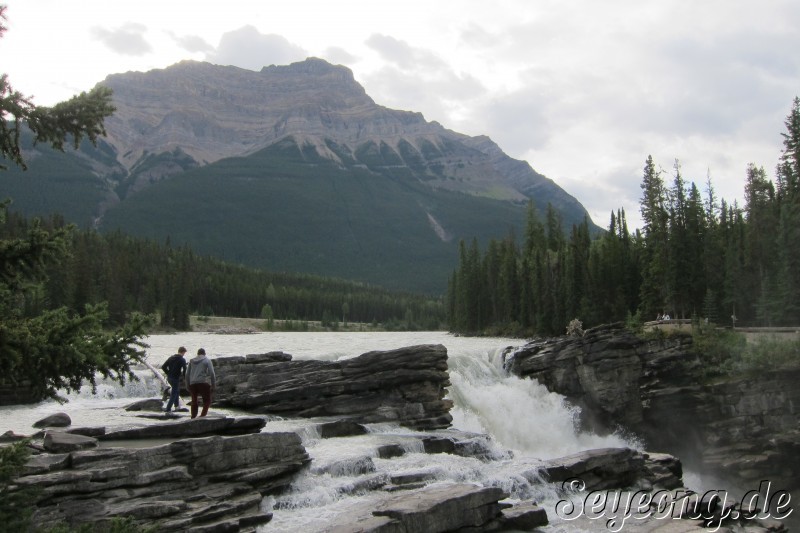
pixel 742 428
pixel 211 483
pixel 406 386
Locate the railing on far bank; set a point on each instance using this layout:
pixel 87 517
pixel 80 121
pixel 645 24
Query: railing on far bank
pixel 672 324
pixel 751 334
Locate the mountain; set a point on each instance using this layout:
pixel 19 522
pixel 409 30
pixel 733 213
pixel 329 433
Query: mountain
pixel 293 168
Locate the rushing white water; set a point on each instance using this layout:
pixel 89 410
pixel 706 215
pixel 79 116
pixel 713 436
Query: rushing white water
pixel 525 422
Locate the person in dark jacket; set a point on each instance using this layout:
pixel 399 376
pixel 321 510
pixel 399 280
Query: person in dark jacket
pixel 201 380
pixel 175 369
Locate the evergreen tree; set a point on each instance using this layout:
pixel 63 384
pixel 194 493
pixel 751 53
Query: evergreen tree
pixel 713 254
pixel 759 245
pixel 52 349
pixel 654 288
pixel 788 238
pixel 555 232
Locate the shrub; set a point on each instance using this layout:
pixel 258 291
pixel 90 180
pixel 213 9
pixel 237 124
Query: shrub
pixel 575 328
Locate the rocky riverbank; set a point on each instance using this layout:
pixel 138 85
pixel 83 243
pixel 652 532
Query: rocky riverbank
pixel 235 473
pixel 743 429
pixel 213 473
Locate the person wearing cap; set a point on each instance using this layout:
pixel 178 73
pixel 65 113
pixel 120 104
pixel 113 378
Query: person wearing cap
pixel 175 369
pixel 201 380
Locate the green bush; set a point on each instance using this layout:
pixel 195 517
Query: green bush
pixel 16 504
pixel 770 354
pixel 720 350
pixel 726 352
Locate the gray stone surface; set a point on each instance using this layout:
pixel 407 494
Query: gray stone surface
pixel 524 516
pixel 150 404
pixel 60 442
pixel 610 468
pixel 211 483
pixel 405 386
pixel 435 508
pixel 743 428
pixel 56 420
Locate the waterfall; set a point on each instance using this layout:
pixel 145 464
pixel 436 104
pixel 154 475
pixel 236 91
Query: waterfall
pixel 523 422
pixel 520 414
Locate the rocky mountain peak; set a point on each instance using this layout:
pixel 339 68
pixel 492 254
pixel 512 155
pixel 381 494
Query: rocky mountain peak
pixel 312 66
pixel 212 111
pixel 192 114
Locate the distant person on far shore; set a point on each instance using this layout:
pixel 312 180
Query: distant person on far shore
pixel 175 369
pixel 201 380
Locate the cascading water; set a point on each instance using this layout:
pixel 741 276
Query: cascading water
pixel 520 414
pixel 523 423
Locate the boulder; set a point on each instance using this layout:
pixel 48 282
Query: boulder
pixel 435 508
pixel 340 428
pixel 150 404
pixel 10 436
pixel 56 420
pixel 61 442
pixel 406 386
pixel 604 468
pixel 523 516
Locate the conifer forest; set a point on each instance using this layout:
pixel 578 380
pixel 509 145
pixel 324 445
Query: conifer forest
pixel 696 256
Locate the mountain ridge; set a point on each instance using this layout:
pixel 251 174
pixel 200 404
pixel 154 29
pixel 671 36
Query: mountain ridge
pixel 211 112
pixel 292 168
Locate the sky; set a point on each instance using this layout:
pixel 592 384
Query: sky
pixel 583 90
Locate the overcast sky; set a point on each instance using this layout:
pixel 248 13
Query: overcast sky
pixel 583 90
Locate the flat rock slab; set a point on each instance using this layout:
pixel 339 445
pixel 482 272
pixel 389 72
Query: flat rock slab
pixel 601 468
pixel 182 428
pixel 435 508
pixel 524 516
pixel 149 404
pixel 61 442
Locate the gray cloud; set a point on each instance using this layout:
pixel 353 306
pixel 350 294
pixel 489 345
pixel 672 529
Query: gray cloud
pixel 250 49
pixel 394 88
pixel 519 121
pixel 440 93
pixel 402 54
pixel 339 56
pixel 127 39
pixel 192 43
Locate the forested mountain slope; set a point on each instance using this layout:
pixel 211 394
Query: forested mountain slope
pixel 292 168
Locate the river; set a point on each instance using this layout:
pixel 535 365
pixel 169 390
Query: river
pixel 520 415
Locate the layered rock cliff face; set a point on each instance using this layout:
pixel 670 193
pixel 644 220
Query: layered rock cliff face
pixel 743 429
pixel 405 386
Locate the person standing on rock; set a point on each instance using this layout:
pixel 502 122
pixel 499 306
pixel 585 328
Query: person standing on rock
pixel 201 380
pixel 175 369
